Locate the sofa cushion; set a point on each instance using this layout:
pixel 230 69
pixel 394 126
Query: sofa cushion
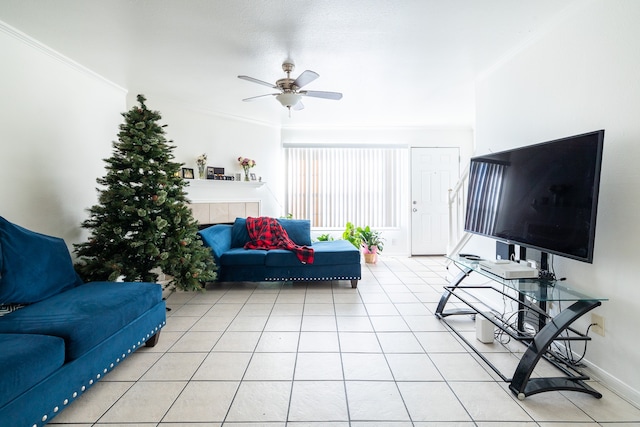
pixel 218 238
pixel 25 360
pixel 241 256
pixel 298 230
pixel 239 233
pixel 34 266
pixel 336 252
pixel 86 315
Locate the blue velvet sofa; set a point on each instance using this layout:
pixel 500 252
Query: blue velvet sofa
pixel 58 335
pixel 333 260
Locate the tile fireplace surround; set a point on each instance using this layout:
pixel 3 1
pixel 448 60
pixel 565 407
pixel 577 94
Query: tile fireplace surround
pixel 224 212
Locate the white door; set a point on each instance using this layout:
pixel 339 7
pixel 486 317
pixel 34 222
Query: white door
pixel 433 172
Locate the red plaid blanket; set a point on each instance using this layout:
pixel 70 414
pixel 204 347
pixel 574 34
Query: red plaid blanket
pixel 267 233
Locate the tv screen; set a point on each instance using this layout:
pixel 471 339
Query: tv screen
pixel 542 196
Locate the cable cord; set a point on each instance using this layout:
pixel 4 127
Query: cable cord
pixel 568 357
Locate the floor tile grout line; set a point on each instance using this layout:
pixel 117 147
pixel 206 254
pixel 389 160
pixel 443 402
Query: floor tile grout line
pixel 242 379
pixel 393 376
pixel 201 363
pixel 139 380
pixel 191 379
pixel 435 366
pixel 427 353
pixel 115 402
pixel 295 362
pixel 344 377
pixel 448 383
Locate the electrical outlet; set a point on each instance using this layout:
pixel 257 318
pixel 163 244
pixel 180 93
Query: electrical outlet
pixel 598 328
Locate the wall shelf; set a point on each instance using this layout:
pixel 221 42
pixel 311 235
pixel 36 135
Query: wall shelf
pixel 217 182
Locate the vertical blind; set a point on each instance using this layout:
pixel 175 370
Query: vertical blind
pixel 332 186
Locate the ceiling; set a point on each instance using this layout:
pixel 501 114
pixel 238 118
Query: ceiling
pixel 397 62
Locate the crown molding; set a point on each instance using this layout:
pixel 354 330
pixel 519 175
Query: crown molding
pixel 42 48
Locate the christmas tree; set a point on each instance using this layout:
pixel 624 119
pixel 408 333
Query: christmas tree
pixel 142 222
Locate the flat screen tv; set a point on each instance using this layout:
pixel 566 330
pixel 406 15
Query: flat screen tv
pixel 542 196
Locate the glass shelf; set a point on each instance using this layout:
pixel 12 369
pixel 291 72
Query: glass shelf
pixel 537 289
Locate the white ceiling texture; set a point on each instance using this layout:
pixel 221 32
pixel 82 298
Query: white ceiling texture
pixel 397 62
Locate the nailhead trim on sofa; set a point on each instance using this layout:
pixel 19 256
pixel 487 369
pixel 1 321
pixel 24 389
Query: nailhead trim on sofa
pixel 75 394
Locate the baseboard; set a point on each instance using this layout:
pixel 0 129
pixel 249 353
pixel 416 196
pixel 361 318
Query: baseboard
pixel 614 384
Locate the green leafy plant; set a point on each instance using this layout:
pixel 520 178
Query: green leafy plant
pixel 324 237
pixel 351 234
pixel 370 239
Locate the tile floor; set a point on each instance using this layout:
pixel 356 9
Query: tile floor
pixel 324 354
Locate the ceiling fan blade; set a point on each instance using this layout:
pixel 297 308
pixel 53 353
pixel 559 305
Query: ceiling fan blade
pixel 260 96
pixel 305 78
pixel 260 82
pixel 299 106
pixel 321 94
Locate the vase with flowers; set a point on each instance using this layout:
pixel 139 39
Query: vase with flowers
pixel 201 161
pixel 246 164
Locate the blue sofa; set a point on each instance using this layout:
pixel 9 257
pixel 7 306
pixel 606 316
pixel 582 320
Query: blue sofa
pixel 333 260
pixel 58 335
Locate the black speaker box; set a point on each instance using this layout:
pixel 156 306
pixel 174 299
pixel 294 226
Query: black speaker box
pixel 505 251
pixel 523 253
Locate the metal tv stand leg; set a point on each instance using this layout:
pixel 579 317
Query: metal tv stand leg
pixel 440 313
pixel 522 384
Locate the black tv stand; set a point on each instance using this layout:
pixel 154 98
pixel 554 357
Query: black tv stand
pixel 523 292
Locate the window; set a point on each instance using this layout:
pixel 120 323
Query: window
pixel 335 185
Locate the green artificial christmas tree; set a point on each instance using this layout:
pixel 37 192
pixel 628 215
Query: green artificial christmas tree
pixel 142 221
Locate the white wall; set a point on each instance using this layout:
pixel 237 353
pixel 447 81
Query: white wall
pixel 398 240
pixel 56 126
pixel 583 75
pixel 223 139
pixel 58 123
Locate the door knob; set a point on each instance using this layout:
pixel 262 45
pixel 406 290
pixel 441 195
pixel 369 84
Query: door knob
pixel 415 210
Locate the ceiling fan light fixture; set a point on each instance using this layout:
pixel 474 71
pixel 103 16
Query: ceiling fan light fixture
pixel 290 95
pixel 288 99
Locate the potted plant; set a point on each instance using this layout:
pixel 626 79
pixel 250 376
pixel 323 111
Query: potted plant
pixel 372 243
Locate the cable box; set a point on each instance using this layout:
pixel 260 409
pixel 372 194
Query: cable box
pixel 511 270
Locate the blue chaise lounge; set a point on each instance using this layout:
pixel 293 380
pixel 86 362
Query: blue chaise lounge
pixel 333 260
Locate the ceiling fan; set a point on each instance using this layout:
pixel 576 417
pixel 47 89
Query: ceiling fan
pixel 289 94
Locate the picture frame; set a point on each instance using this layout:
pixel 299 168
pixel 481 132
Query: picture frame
pixel 187 173
pixel 211 174
pixel 252 176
